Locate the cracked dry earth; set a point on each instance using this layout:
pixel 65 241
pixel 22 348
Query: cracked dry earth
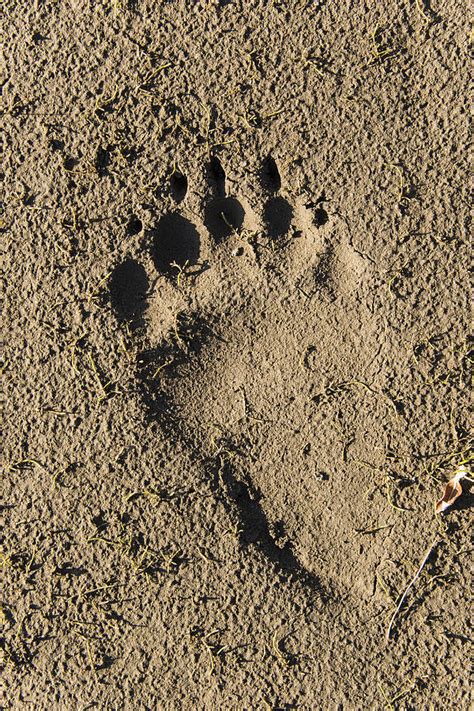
pixel 236 355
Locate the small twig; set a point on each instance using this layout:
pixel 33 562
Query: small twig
pixel 402 599
pixel 181 270
pixel 229 224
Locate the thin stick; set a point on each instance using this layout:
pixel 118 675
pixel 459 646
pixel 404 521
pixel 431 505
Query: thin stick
pixel 402 599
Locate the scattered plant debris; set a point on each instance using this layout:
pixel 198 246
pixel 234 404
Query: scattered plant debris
pixel 452 491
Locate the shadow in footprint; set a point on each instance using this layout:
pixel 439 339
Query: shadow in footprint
pixel 190 334
pixel 236 491
pixel 255 528
pixel 176 243
pixel 134 226
pixel 277 213
pixel 320 215
pixel 270 175
pixel 128 290
pixel 178 186
pixel 216 175
pixel 223 215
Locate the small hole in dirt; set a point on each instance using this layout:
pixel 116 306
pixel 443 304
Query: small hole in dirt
pixel 134 225
pixel 102 161
pixel 128 289
pixel 70 163
pixel 321 476
pixel 178 186
pixel 270 175
pixel 320 217
pixel 278 214
pixel 176 241
pixel 223 216
pixel 57 145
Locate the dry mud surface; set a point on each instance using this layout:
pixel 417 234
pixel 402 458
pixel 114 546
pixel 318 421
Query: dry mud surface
pixel 236 354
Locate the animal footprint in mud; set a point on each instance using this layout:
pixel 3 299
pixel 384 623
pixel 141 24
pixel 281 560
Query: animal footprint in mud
pixel 223 214
pixel 175 241
pixel 128 290
pixel 277 213
pixel 167 380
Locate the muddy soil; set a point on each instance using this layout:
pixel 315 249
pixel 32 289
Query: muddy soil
pixel 236 354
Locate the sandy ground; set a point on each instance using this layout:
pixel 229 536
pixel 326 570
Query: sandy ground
pixel 236 354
